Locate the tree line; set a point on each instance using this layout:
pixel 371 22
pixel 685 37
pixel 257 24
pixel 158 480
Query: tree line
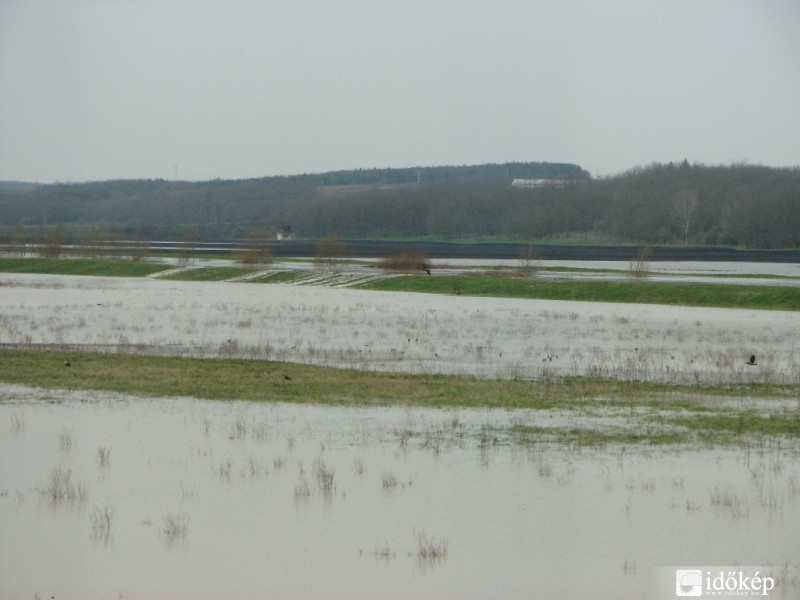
pixel 676 203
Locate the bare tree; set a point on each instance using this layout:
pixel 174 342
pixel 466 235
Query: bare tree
pixel 90 243
pixel 684 204
pixel 255 250
pixel 16 239
pixel 331 252
pixel 528 260
pixel 51 241
pixel 186 249
pixel 139 246
pixel 640 264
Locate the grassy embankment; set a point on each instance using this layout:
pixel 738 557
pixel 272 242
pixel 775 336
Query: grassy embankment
pixel 636 292
pixel 209 274
pixel 655 413
pixel 80 266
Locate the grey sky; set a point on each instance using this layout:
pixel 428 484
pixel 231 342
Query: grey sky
pixel 101 89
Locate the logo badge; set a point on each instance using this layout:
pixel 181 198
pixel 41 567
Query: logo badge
pixel 688 582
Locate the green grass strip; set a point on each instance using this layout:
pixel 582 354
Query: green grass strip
pixel 637 292
pixel 260 380
pixel 656 413
pixel 277 277
pixel 209 274
pixel 80 266
pixel 234 379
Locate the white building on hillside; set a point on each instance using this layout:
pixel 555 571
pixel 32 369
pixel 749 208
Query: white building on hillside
pixel 285 234
pixel 539 183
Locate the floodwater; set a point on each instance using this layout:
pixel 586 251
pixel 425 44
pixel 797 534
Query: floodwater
pixel 110 496
pixel 498 338
pixel 181 498
pixel 663 267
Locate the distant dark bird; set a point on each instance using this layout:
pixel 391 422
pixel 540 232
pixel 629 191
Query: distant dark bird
pixel 287 378
pixel 425 268
pixel 67 363
pixel 752 360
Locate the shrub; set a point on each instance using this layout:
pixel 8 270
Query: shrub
pixel 405 261
pixel 330 252
pixel 640 265
pixel 255 250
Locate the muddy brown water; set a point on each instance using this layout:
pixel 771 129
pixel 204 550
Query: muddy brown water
pixel 238 479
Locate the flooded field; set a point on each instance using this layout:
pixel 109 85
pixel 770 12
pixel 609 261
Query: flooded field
pixel 402 332
pixel 112 496
pixel 107 496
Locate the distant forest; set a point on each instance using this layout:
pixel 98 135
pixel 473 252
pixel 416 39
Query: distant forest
pixel 738 205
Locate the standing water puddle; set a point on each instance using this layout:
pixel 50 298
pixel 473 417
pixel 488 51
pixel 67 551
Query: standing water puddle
pixel 180 498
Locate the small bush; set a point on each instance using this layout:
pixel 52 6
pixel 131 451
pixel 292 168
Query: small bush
pixel 331 252
pixel 255 250
pixel 640 265
pixel 405 261
pixel 529 263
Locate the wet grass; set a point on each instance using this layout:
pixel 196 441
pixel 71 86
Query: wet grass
pixel 245 379
pixel 209 274
pixel 277 277
pixel 671 432
pixel 80 266
pixel 691 424
pixel 667 413
pixel 229 379
pixel 637 292
pixel 580 436
pixel 514 271
pixel 717 426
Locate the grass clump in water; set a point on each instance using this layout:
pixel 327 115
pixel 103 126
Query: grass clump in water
pixel 430 549
pixel 62 488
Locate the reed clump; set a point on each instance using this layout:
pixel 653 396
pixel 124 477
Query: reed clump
pixel 324 475
pixel 62 488
pixel 429 548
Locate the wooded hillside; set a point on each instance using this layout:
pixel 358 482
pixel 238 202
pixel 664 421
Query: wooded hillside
pixel 739 205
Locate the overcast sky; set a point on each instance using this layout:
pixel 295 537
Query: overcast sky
pixel 102 89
